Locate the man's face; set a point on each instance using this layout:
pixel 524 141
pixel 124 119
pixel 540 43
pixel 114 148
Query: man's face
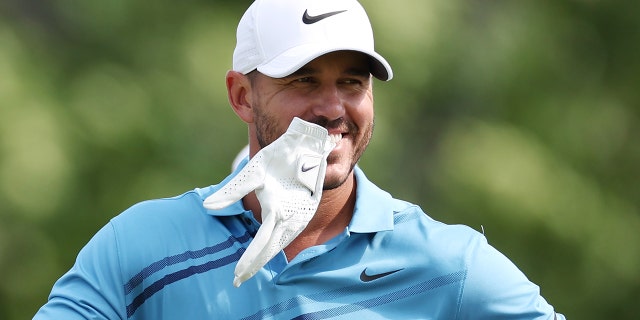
pixel 333 91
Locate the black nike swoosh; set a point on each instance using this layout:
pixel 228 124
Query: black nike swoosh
pixel 307 19
pixel 364 277
pixel 305 169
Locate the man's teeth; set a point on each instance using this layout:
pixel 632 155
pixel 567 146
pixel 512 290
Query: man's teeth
pixel 335 138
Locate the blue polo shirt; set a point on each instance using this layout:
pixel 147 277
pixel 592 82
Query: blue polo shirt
pixel 174 259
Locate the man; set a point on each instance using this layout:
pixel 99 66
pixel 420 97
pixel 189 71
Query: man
pixel 297 231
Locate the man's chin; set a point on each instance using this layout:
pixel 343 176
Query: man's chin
pixel 336 176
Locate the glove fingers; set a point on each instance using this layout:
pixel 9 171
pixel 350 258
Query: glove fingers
pixel 248 179
pixel 269 241
pixel 258 252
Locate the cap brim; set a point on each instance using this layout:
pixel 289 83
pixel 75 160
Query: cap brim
pixel 293 59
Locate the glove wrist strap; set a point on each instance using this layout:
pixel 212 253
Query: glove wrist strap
pixel 309 129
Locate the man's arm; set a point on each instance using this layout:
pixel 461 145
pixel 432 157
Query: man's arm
pixel 93 288
pixel 496 288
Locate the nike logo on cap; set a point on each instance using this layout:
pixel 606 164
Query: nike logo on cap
pixel 307 19
pixel 364 277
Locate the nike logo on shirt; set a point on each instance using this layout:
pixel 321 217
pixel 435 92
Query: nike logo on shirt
pixel 308 19
pixel 364 277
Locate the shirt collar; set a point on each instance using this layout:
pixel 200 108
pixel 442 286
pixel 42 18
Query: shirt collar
pixel 373 209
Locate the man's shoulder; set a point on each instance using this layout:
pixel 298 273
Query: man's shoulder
pixel 429 234
pixel 407 211
pixel 162 216
pixel 159 208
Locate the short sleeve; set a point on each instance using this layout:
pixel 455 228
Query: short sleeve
pixel 92 288
pixel 496 289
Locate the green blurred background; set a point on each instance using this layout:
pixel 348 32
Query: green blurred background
pixel 518 117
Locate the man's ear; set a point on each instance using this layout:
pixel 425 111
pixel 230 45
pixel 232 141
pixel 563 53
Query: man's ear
pixel 239 94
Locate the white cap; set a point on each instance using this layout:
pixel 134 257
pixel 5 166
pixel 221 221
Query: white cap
pixel 278 37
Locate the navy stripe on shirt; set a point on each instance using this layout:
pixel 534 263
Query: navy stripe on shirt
pixel 158 285
pixel 168 261
pixel 179 275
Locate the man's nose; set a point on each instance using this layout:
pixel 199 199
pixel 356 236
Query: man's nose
pixel 329 103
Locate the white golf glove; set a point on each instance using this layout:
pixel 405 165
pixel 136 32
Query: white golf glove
pixel 287 176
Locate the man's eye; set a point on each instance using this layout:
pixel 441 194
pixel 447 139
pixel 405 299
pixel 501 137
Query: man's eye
pixel 303 79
